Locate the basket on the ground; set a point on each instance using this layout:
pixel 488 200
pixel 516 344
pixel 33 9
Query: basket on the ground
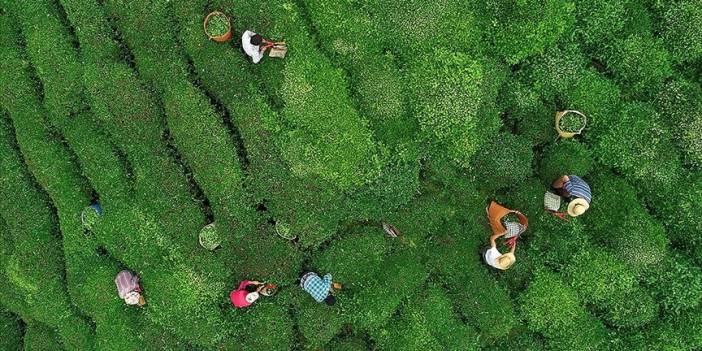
pixel 569 134
pixel 209 237
pixel 218 38
pixel 90 216
pixel 284 231
pixel 269 289
pixel 552 202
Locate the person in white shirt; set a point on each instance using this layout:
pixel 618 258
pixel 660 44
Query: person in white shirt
pixel 495 258
pixel 254 45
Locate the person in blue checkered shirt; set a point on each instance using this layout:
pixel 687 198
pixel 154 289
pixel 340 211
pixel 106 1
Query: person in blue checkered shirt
pixel 319 288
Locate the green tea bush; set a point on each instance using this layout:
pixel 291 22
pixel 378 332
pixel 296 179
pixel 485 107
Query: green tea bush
pixel 381 94
pixel 217 169
pixel 527 196
pixel 603 281
pixel 348 344
pixel 682 36
pixel 11 295
pixel 430 214
pixel 679 210
pixel 40 277
pixel 355 258
pixel 375 79
pixel 46 40
pixel 537 126
pixel 130 113
pixel 598 23
pixel 400 277
pixel 453 101
pixel 564 158
pixel 318 322
pixel 343 31
pixel 597 276
pixel 196 316
pixel 518 100
pixel 123 107
pixel 555 250
pixel 618 220
pixel 680 102
pixel 551 308
pixel 39 337
pixel 91 29
pixel 676 284
pixel 427 321
pixel 100 162
pixel 339 150
pixel 409 332
pixel 68 197
pixel 639 20
pixel 640 63
pixel 599 98
pixel 673 332
pixel 634 311
pixel 10 328
pixel 632 145
pixel 502 161
pixel 554 72
pixel 519 29
pixel 269 326
pixel 413 27
pixel 523 340
pixel 56 172
pixel 398 183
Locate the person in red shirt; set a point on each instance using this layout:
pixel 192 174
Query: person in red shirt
pixel 246 294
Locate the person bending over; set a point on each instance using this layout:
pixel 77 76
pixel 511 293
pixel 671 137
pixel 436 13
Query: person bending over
pixel 319 288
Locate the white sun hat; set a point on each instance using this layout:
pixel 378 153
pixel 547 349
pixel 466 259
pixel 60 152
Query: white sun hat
pixel 252 297
pixel 577 207
pixel 132 298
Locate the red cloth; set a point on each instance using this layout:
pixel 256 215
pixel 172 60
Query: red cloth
pixel 238 296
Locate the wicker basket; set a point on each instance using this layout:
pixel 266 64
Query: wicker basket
pixel 211 247
pixel 83 214
pixel 564 134
pixel 283 231
pixel 219 38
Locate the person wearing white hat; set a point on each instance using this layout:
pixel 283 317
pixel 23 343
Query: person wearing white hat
pixel 254 45
pixel 246 294
pixel 577 190
pixel 128 288
pixel 495 258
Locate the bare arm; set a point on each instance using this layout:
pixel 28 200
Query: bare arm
pixel 558 183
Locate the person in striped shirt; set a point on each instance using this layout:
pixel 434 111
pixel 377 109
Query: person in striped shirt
pixel 577 191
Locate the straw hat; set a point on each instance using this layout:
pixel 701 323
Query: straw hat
pixel 251 297
pixel 505 261
pixel 577 207
pixel 132 298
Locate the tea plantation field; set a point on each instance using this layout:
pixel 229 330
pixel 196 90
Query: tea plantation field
pixel 411 112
